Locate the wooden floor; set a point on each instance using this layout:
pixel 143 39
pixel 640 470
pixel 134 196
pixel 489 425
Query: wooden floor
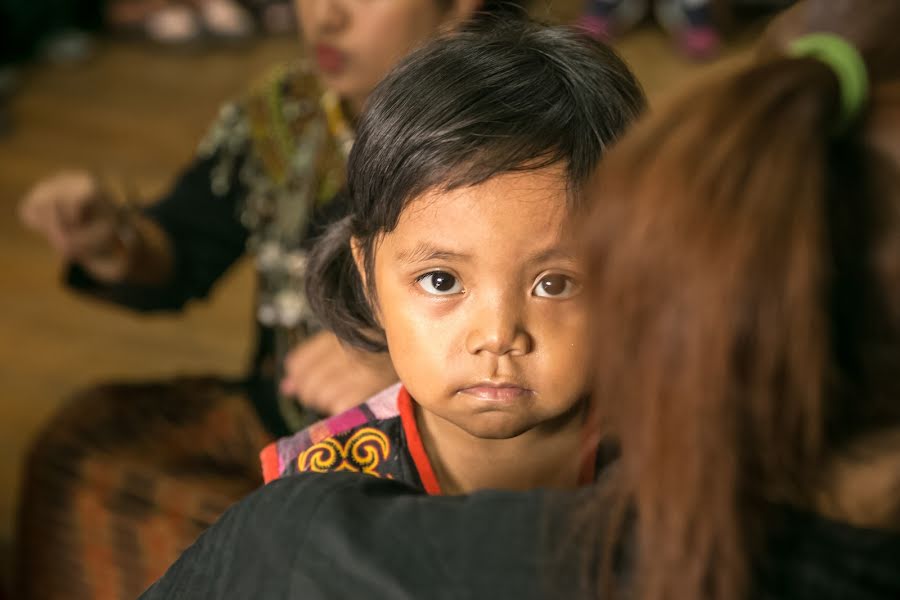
pixel 139 112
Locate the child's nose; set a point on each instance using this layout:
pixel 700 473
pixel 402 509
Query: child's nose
pixel 498 327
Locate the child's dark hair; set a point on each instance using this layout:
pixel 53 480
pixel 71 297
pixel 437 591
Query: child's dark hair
pixel 500 8
pixel 496 97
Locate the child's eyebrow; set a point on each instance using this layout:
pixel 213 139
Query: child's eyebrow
pixel 423 252
pixel 550 254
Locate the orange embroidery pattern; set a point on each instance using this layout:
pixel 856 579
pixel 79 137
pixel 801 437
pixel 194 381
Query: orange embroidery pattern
pixel 361 453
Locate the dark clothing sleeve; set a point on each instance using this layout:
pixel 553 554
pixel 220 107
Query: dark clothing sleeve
pixel 345 535
pixel 206 234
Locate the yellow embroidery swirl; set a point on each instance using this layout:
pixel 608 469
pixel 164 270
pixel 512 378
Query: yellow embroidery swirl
pixel 362 452
pixel 322 457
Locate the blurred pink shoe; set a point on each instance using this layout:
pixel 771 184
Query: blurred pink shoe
pixel 700 43
pixel 605 19
pixel 690 24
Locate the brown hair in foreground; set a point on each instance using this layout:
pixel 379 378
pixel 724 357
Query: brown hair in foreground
pixel 745 263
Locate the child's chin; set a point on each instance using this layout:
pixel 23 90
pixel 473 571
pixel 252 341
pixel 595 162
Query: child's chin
pixel 495 427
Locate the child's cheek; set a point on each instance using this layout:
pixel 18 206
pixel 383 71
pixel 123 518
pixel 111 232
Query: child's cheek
pixel 561 317
pixel 560 329
pixel 418 328
pixel 423 348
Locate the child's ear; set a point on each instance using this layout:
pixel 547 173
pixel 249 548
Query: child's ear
pixel 356 250
pixel 359 261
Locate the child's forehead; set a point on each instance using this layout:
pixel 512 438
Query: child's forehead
pixel 542 194
pixel 514 215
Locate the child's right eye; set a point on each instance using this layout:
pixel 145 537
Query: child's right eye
pixel 439 283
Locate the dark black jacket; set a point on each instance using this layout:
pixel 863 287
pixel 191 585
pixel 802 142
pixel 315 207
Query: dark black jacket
pixel 353 536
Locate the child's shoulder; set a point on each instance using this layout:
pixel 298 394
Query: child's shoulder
pixel 336 443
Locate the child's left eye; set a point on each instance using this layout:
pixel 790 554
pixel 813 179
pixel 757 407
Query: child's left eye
pixel 439 283
pixel 555 286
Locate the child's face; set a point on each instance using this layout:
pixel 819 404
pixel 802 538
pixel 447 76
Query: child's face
pixel 354 43
pixel 478 291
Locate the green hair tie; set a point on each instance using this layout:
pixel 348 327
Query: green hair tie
pixel 846 62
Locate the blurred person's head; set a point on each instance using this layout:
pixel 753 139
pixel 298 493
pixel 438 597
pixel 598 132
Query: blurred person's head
pixel 354 43
pixel 745 289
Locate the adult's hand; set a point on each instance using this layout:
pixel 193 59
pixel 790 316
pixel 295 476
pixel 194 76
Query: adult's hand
pixel 84 225
pixel 80 222
pixel 328 377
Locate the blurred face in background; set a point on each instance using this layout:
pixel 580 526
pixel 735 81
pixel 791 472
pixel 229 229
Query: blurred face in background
pixel 354 43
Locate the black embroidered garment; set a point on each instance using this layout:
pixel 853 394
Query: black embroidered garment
pixel 265 180
pixel 346 535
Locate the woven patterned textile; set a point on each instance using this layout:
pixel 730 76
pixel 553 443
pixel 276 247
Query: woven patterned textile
pixel 124 478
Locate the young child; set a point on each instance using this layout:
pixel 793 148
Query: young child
pixel 457 258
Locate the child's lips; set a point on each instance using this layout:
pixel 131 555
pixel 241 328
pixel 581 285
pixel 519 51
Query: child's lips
pixel 329 59
pixel 496 392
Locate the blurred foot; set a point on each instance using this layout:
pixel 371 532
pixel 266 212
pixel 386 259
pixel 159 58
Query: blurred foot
pixel 690 24
pixel 605 19
pixel 225 19
pixel 173 25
